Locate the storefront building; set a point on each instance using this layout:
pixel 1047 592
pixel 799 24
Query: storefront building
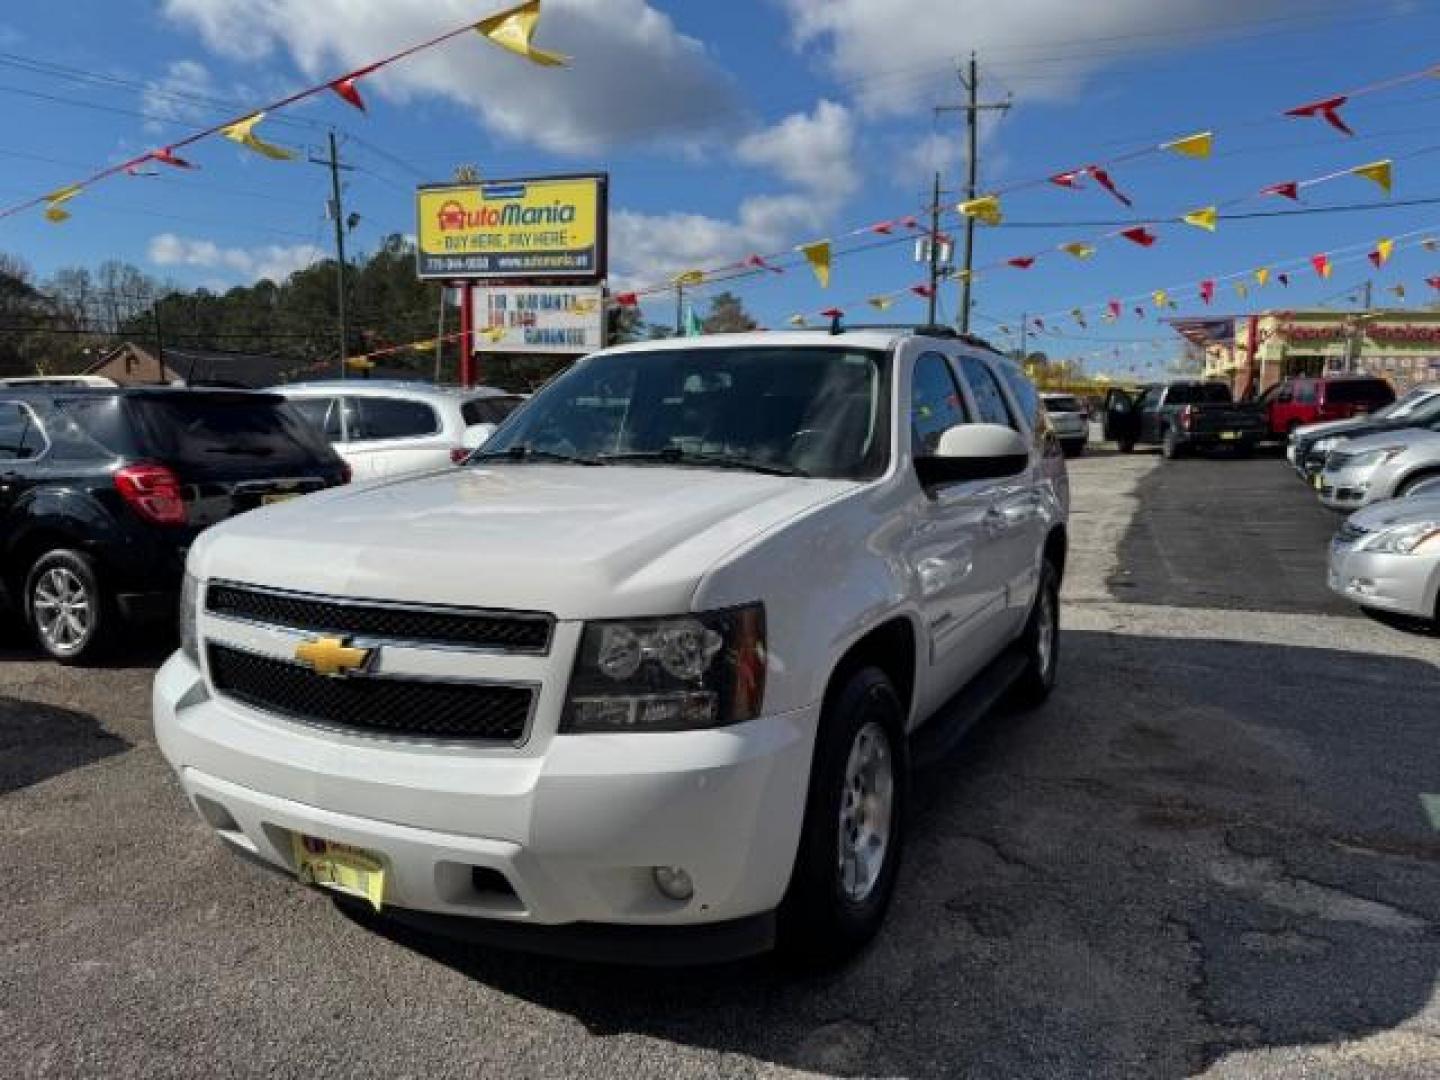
pixel 1401 346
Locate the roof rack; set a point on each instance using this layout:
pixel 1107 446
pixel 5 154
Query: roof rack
pixel 938 330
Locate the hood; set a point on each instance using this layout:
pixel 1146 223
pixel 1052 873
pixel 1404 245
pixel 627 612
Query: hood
pixel 1410 438
pixel 1334 427
pixel 1398 512
pixel 579 542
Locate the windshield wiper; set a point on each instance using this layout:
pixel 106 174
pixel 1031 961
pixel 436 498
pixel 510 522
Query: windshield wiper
pixel 530 453
pixel 672 455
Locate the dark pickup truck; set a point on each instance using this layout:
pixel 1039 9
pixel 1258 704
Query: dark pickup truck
pixel 1180 417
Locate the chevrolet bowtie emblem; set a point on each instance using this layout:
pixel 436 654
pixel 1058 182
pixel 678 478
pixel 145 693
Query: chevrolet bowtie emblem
pixel 331 656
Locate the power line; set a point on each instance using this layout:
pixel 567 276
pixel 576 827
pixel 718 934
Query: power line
pixel 1304 211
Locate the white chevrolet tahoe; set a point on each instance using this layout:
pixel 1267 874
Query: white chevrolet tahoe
pixel 645 678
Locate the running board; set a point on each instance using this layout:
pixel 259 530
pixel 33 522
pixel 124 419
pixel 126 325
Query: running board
pixel 943 732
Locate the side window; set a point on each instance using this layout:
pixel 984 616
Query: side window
pixel 20 435
pixel 392 418
pixel 935 403
pixel 989 398
pixel 1025 393
pixel 1149 400
pixel 1305 393
pixel 321 413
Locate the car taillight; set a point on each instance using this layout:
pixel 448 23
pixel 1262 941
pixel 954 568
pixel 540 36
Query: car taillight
pixel 458 454
pixel 153 492
pixel 346 473
pixel 1187 417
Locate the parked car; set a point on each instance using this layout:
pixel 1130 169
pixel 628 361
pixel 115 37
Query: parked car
pixel 387 429
pixel 103 491
pixel 1181 416
pixel 1310 445
pixel 1386 465
pixel 1295 402
pixel 1071 420
pixel 1387 557
pixel 644 678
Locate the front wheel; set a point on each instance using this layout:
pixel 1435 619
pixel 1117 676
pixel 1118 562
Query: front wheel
pixel 850 845
pixel 1040 642
pixel 1125 446
pixel 66 608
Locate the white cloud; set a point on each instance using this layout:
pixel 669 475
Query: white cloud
pixel 634 76
pixel 171 98
pixel 887 49
pixel 814 152
pixel 274 261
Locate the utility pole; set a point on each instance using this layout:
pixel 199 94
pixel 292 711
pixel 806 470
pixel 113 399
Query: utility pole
pixel 334 164
pixel 679 309
pixel 1024 354
pixel 1357 330
pixel 934 249
pixel 972 110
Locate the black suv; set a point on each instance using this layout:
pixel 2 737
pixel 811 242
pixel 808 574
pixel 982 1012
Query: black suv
pixel 102 492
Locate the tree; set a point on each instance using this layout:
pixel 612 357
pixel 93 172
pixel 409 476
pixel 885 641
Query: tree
pixel 727 315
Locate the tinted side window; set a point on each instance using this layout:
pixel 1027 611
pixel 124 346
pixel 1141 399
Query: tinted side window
pixel 989 398
pixel 320 413
pixel 1352 391
pixel 1305 393
pixel 392 418
pixel 20 436
pixel 490 410
pixel 1029 398
pixel 935 403
pixel 101 418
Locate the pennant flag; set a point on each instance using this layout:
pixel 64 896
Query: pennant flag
pixel 1290 189
pixel 880 303
pixel 1327 110
pixel 1114 309
pixel 1161 298
pixel 1399 291
pixel 345 89
pixel 1039 323
pixel 494 334
pixel 1139 235
pixel 833 313
pixel 796 320
pixel 166 156
pixel 922 290
pixel 1204 218
pixel 1003 328
pixel 1381 172
pixel 359 363
pixel 584 307
pixel 1321 264
pixel 818 256
pixel 884 228
pixel 986 209
pixel 1207 290
pixel 1262 275
pixel 627 299
pixel 1067 179
pixel 1430 244
pixel 1021 263
pixel 689 277
pixel 1283 279
pixel 54 203
pixel 1078 249
pixel 759 263
pixel 1139 311
pixel 1103 179
pixel 1241 290
pixel 1079 317
pixel 512 29
pixel 243 132
pixel 909 222
pixel 1383 250
pixel 1433 282
pixel 1192 146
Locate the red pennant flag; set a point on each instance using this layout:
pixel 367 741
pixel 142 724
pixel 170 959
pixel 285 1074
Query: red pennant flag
pixel 884 228
pixel 922 290
pixel 1022 263
pixel 1067 179
pixel 1327 110
pixel 1284 279
pixel 1139 235
pixel 1103 179
pixel 627 299
pixel 1290 189
pixel 909 223
pixel 1207 290
pixel 1321 263
pixel 166 156
pixel 1115 308
pixel 759 263
pixel 1139 311
pixel 833 313
pixel 1433 282
pixel 345 88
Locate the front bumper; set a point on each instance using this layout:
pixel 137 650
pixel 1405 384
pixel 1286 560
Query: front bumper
pixel 1404 584
pixel 1347 489
pixel 565 833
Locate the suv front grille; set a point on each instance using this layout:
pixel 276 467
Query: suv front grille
pixel 381 705
pixel 504 631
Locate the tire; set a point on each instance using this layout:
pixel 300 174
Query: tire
pixel 1125 446
pixel 1040 642
pixel 66 608
pixel 1170 448
pixel 1409 485
pixel 834 906
pixel 1245 450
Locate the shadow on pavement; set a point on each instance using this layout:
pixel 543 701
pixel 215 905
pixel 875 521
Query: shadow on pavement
pixel 1196 847
pixel 40 741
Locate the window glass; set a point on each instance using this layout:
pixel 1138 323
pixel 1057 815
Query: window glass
pixel 1063 403
pixel 935 403
pixel 1025 393
pixel 20 436
pixel 1359 391
pixel 1199 393
pixel 488 410
pixel 1305 393
pixel 224 431
pixel 102 419
pixel 1149 401
pixel 989 398
pixel 392 418
pixel 321 413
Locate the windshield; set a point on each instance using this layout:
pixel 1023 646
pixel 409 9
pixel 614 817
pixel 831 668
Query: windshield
pixel 1358 391
pixel 1199 393
pixel 809 411
pixel 1063 404
pixel 1408 403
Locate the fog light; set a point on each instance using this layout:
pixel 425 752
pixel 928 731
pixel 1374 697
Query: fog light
pixel 674 882
pixel 1362 586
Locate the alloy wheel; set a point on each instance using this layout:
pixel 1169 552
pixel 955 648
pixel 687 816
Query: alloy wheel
pixel 64 612
pixel 867 805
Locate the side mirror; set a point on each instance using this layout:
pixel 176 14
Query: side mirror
pixel 974 452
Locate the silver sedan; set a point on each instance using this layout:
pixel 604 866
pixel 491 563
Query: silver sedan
pixel 1387 557
pixel 1387 465
pixel 1071 421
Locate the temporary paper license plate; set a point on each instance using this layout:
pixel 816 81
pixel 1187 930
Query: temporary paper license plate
pixel 277 497
pixel 340 867
pixel 1319 481
pixel 1227 435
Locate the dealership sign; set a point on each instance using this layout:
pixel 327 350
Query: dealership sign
pixel 546 227
pixel 522 319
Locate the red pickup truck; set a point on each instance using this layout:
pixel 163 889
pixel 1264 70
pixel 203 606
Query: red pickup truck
pixel 1289 404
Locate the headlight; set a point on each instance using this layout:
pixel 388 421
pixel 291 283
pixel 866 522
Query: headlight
pixel 1405 539
pixel 1371 459
pixel 1325 445
pixel 189 616
pixel 694 671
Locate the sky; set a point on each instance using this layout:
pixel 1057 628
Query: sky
pixel 751 126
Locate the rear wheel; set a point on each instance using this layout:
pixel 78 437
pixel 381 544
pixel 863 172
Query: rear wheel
pixel 1125 446
pixel 850 846
pixel 66 608
pixel 1170 447
pixel 1040 642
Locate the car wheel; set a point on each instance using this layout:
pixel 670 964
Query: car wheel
pixel 67 611
pixel 1040 642
pixel 1169 446
pixel 1428 482
pixel 1125 446
pixel 850 844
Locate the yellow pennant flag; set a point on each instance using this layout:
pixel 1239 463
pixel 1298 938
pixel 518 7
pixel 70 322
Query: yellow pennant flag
pixel 1193 146
pixel 880 303
pixel 1381 172
pixel 986 209
pixel 1383 250
pixel 584 307
pixel 359 363
pixel 243 132
pixel 1241 290
pixel 1399 291
pixel 1078 249
pixel 1262 275
pixel 1204 218
pixel 796 320
pixel 421 346
pixel 493 334
pixel 689 277
pixel 818 256
pixel 512 29
pixel 54 203
pixel 1161 298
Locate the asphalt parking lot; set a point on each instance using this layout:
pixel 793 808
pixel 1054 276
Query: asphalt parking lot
pixel 1216 849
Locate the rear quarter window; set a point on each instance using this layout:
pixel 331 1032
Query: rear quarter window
pixel 1357 391
pixel 1198 394
pixel 488 410
pixel 393 418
